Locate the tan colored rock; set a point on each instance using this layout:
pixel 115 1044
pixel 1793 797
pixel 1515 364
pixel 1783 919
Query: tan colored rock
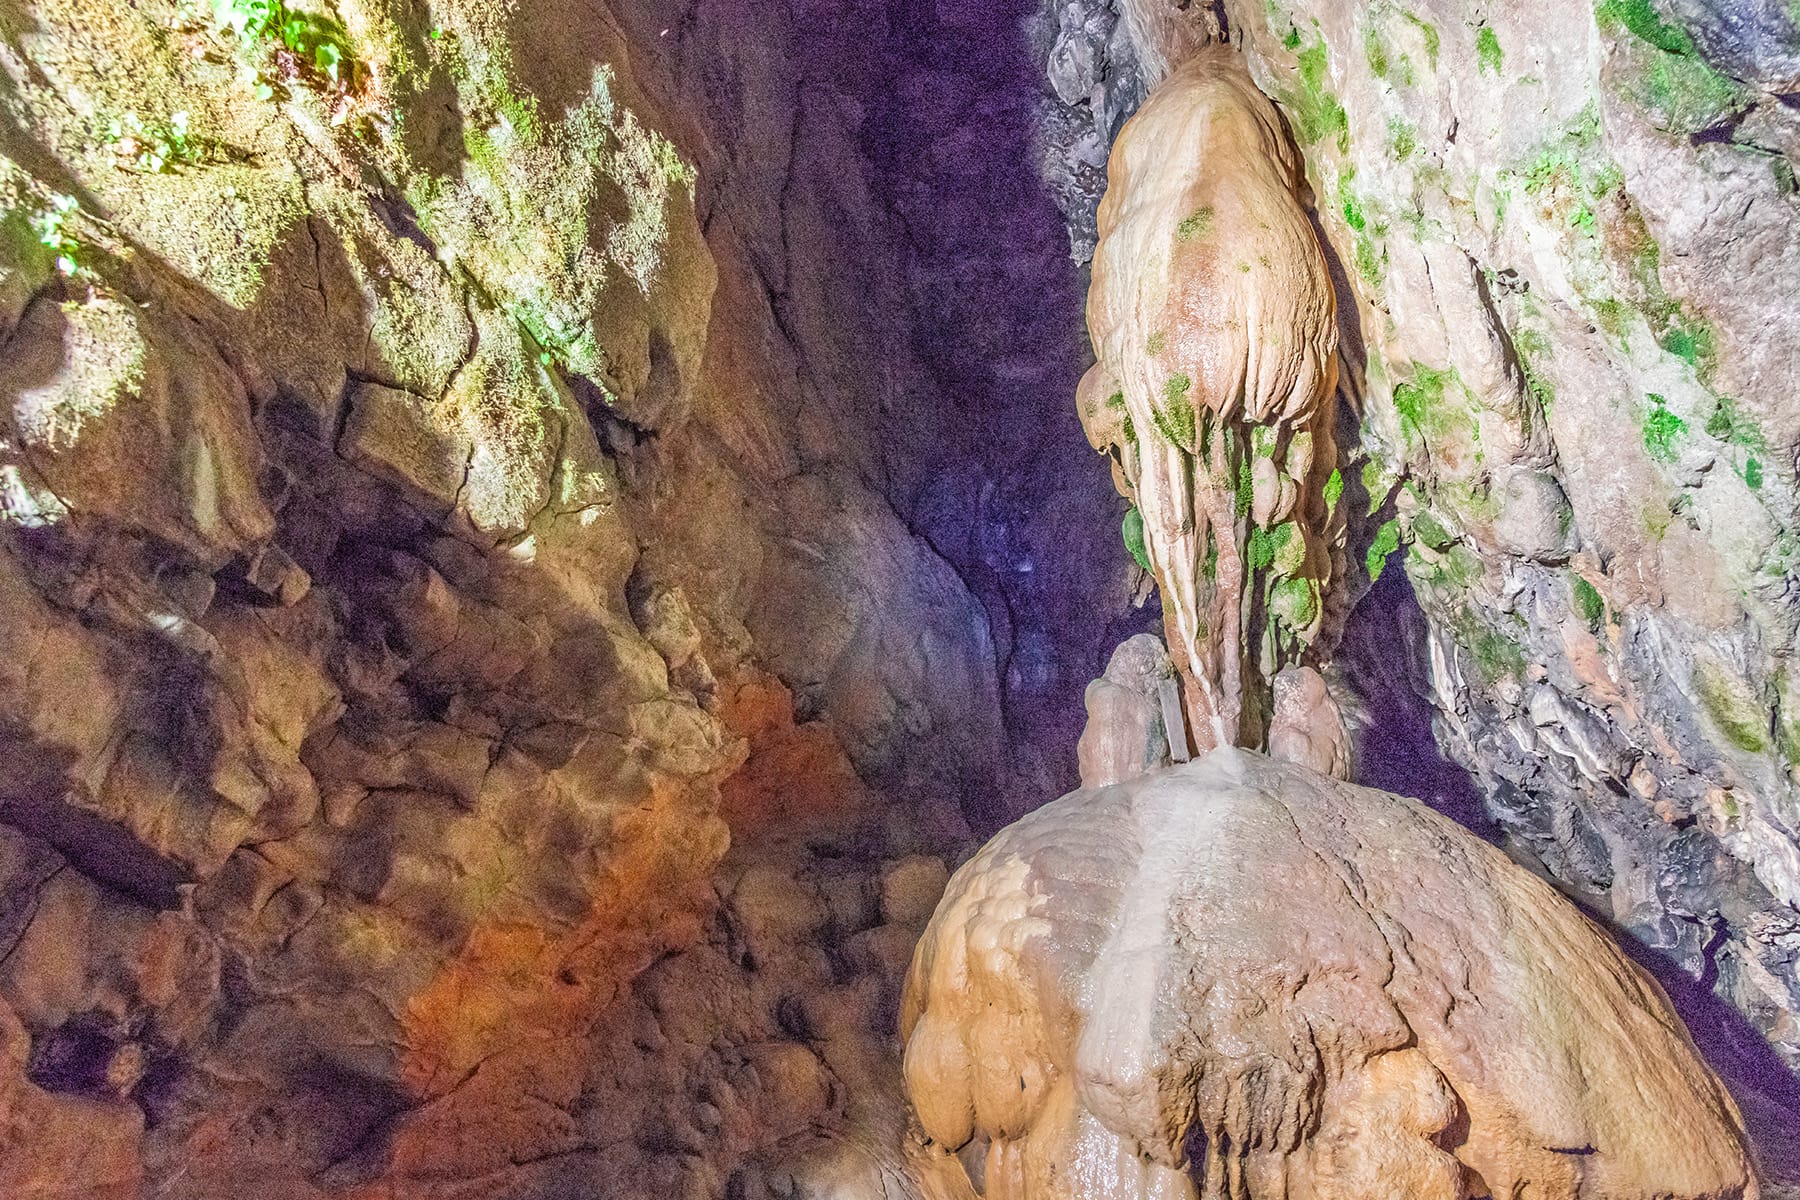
pixel 1245 977
pixel 395 436
pixel 1307 727
pixel 1212 307
pixel 911 888
pixel 1124 735
pixel 132 420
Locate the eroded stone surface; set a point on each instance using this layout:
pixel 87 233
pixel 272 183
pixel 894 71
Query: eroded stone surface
pixel 1566 250
pixel 1244 978
pixel 1213 319
pixel 443 501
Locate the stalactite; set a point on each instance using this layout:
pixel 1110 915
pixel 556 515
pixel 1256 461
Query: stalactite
pixel 1212 309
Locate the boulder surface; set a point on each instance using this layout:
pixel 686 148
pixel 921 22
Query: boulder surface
pixel 1243 978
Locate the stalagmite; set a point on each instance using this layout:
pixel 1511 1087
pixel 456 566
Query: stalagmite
pixel 1242 979
pixel 1213 317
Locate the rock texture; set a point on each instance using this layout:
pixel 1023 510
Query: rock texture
pixel 1213 317
pixel 1126 734
pixel 1246 979
pixel 1581 390
pixel 1567 248
pixel 458 470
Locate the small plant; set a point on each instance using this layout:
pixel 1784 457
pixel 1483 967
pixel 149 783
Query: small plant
pixel 315 41
pixel 1661 429
pixel 151 149
pixel 51 226
pixel 1690 343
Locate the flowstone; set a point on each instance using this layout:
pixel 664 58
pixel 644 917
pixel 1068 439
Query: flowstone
pixel 1213 318
pixel 1241 978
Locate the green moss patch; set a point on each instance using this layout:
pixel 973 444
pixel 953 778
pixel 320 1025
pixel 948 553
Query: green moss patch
pixel 1488 55
pixel 1731 708
pixel 1295 602
pixel 1662 70
pixel 1133 532
pixel 1403 139
pixel 1387 540
pixel 1571 176
pixel 1174 417
pixel 1586 599
pixel 1642 19
pixel 1267 544
pixel 1197 224
pixel 1429 33
pixel 1495 655
pixel 1433 404
pixel 1318 114
pixel 1692 343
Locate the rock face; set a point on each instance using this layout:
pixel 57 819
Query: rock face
pixel 459 472
pixel 1125 734
pixel 1214 322
pixel 1243 978
pixel 1569 242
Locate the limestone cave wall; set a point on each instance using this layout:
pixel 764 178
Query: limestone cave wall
pixel 480 484
pixel 534 536
pixel 1567 245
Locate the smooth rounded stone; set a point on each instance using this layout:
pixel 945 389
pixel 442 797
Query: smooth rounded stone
pixel 910 889
pixel 1124 735
pixel 1307 727
pixel 772 910
pixel 1532 518
pixel 1247 974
